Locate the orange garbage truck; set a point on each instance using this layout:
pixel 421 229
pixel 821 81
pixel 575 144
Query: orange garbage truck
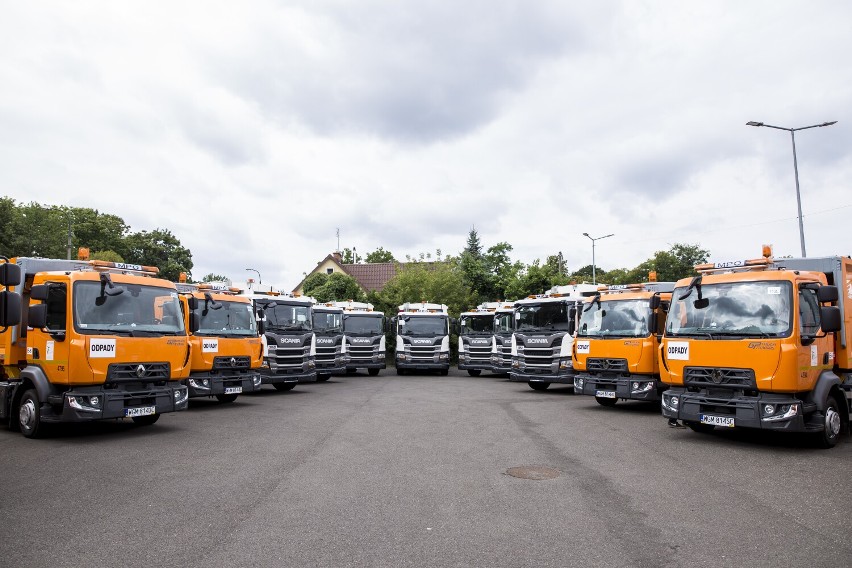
pixel 227 352
pixel 93 341
pixel 762 344
pixel 618 338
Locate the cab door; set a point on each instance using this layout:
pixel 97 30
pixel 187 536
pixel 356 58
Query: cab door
pixel 49 347
pixel 813 349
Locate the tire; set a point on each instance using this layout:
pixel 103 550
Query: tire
pixel 284 386
pixel 445 372
pixel 606 401
pixel 145 420
pixel 226 397
pixel 322 378
pixel 373 372
pixel 400 372
pixel 832 424
pixel 474 372
pixel 699 427
pixel 29 415
pixel 538 385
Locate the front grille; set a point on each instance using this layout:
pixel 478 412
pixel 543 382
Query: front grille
pixel 604 365
pixel 537 357
pixel 286 358
pixel 424 352
pixel 362 352
pixel 480 353
pixel 145 372
pixel 229 363
pixel 719 378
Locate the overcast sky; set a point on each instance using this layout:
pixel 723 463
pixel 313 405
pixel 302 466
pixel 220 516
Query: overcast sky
pixel 253 130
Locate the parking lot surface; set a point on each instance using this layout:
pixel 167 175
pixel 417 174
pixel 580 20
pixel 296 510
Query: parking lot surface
pixel 416 471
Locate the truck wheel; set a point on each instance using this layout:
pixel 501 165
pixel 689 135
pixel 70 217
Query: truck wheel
pixel 373 372
pixel 399 371
pixel 321 378
pixel 474 372
pixel 833 424
pixel 445 372
pixel 606 401
pixel 538 385
pixel 29 415
pixel 284 386
pixel 700 428
pixel 146 420
pixel 226 397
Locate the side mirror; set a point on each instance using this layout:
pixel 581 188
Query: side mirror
pixel 192 302
pixel 829 317
pixel 37 318
pixel 652 322
pixel 827 294
pixel 10 274
pixel 654 303
pixel 193 322
pixel 10 308
pixel 701 304
pixel 572 326
pixel 39 292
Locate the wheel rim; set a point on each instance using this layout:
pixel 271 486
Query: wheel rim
pixel 832 422
pixel 27 414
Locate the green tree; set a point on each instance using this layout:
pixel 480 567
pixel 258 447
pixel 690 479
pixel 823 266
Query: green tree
pixel 162 249
pixel 98 231
pixel 333 287
pixel 347 256
pixel 107 255
pixel 215 278
pixel 380 255
pixel 440 282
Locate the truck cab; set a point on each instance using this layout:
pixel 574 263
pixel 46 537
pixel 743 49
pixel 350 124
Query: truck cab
pixel 618 338
pixel 543 336
pixel 227 352
pixel 286 327
pixel 501 342
pixel 476 335
pixel 331 352
pixel 761 344
pixel 422 338
pixel 364 329
pixel 93 343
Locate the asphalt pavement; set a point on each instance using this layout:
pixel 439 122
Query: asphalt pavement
pixel 415 471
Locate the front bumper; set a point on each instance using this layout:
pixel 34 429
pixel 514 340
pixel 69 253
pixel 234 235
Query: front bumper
pixel 330 370
pixel 267 377
pixel 746 411
pixel 565 376
pixel 480 365
pixel 631 387
pixel 84 404
pixel 223 384
pixel 423 366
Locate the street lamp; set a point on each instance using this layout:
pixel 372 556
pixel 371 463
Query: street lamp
pixel 593 239
pixel 259 281
pixel 792 132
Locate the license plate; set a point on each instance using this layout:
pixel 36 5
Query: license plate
pixel 725 421
pixel 605 394
pixel 233 390
pixel 140 411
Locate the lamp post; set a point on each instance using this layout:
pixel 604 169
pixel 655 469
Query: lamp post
pixel 593 239
pixel 259 281
pixel 792 132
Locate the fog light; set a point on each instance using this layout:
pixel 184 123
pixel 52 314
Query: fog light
pixel 635 386
pixel 769 409
pixel 578 383
pixel 94 401
pixel 256 380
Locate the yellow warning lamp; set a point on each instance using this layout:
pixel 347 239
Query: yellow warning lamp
pixel 182 278
pixel 652 276
pixel 82 253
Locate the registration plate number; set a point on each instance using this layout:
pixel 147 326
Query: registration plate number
pixel 725 421
pixel 140 411
pixel 233 390
pixel 605 394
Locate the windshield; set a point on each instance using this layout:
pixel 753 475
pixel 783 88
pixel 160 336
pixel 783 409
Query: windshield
pixel 362 324
pixel 230 318
pixel 423 325
pixel 138 309
pixel 621 318
pixel 738 309
pixel 478 324
pixel 328 321
pixel 286 317
pixel 503 322
pixel 546 316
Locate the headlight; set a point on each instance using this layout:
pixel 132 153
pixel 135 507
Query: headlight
pixel 256 379
pixel 181 394
pixel 671 402
pixel 443 356
pixel 578 383
pixel 779 412
pixel 640 387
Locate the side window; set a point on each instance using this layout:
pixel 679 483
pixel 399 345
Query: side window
pixel 57 307
pixel 808 312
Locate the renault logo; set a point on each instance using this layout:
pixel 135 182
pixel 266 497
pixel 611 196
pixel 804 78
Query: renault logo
pixel 605 364
pixel 233 361
pixel 716 376
pixel 140 371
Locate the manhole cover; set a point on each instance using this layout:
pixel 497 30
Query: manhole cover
pixel 535 472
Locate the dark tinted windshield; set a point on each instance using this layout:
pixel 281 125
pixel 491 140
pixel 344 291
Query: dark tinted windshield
pixel 328 321
pixel 622 318
pixel 503 322
pixel 478 324
pixel 544 316
pixel 423 325
pixel 138 309
pixel 231 318
pixel 744 309
pixel 286 317
pixel 362 324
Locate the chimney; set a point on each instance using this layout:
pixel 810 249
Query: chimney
pixel 337 256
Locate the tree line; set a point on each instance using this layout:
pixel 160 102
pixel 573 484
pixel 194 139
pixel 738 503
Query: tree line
pixel 478 275
pixel 33 229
